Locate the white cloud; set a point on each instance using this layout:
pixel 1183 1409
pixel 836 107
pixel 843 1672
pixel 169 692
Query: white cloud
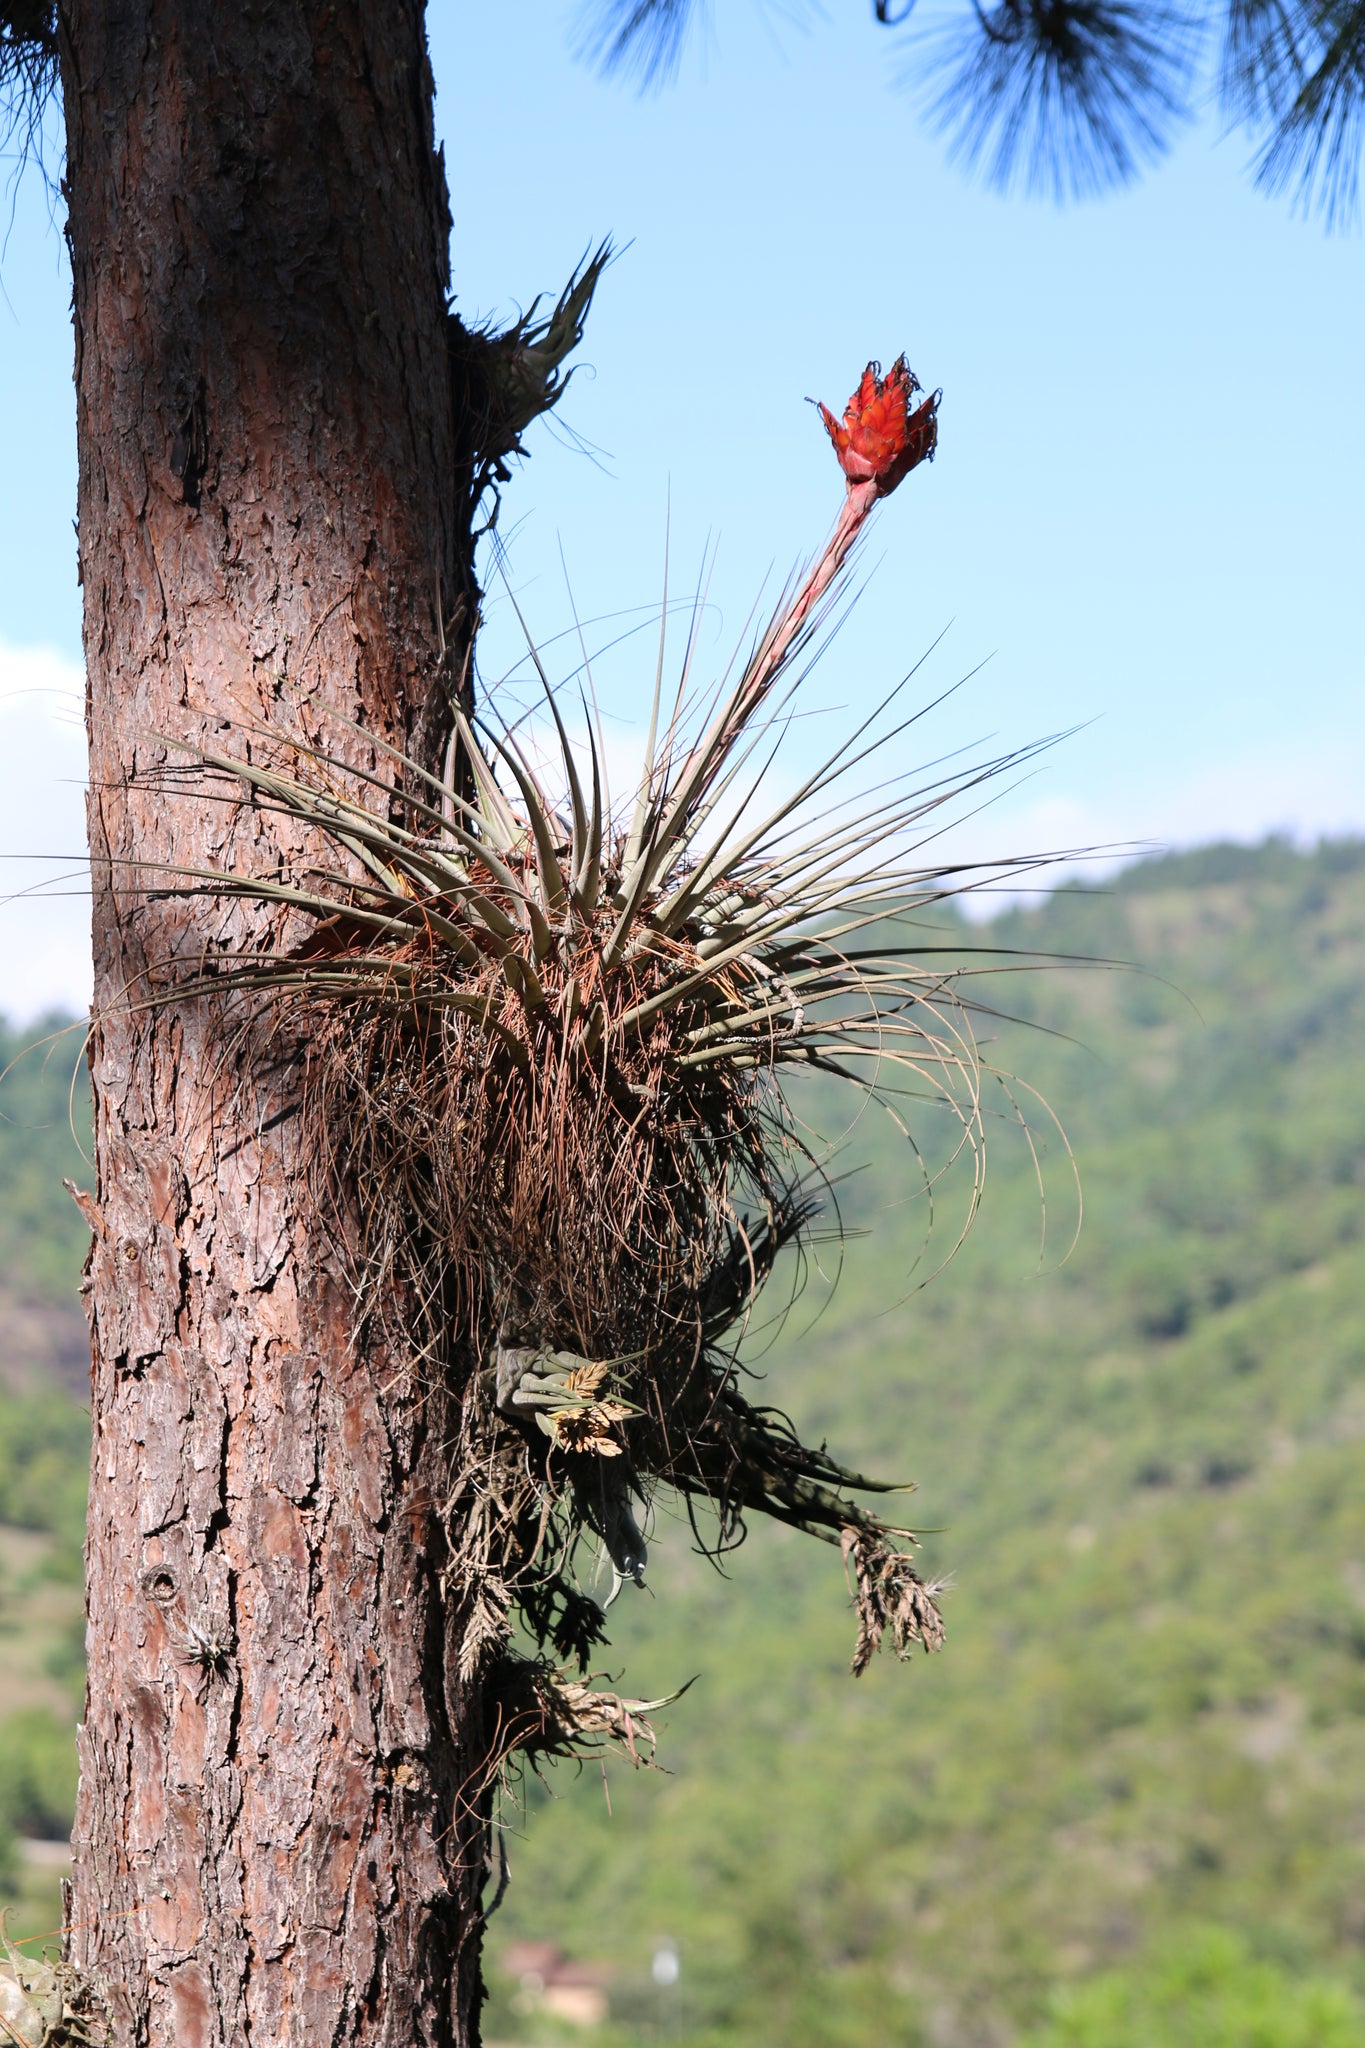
pixel 1305 790
pixel 44 898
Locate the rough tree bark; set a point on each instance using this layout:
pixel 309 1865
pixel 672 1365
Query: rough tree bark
pixel 271 1846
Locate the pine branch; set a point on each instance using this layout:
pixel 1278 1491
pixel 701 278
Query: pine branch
pixel 643 39
pixel 1069 96
pixel 1317 141
pixel 28 70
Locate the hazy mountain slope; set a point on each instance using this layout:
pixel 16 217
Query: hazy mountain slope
pixel 1151 1710
pixel 42 1236
pixel 44 1436
pixel 1151 1467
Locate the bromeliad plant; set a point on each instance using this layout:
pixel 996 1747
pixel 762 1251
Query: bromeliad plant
pixel 550 1048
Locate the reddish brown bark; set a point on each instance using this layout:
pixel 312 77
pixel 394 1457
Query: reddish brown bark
pixel 270 1845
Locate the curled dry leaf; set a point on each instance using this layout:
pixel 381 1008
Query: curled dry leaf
pixel 888 1596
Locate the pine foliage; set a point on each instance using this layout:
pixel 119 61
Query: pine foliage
pixel 1069 97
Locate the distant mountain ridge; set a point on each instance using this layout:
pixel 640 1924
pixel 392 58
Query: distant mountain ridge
pixel 1275 858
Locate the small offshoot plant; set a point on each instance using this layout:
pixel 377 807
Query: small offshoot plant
pixel 550 1044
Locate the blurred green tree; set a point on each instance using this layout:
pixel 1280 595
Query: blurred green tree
pixel 1207 1990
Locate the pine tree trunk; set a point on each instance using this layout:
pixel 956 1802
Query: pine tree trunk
pixel 271 1843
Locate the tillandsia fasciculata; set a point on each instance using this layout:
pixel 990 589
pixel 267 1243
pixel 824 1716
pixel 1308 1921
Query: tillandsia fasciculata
pixel 548 1047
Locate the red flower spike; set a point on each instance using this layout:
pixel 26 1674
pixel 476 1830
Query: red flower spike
pixel 880 439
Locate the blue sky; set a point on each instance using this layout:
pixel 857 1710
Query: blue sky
pixel 1145 516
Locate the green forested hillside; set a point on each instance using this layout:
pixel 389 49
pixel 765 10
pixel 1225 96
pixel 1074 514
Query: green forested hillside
pixel 44 1137
pixel 1150 1465
pixel 1126 1807
pixel 43 1447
